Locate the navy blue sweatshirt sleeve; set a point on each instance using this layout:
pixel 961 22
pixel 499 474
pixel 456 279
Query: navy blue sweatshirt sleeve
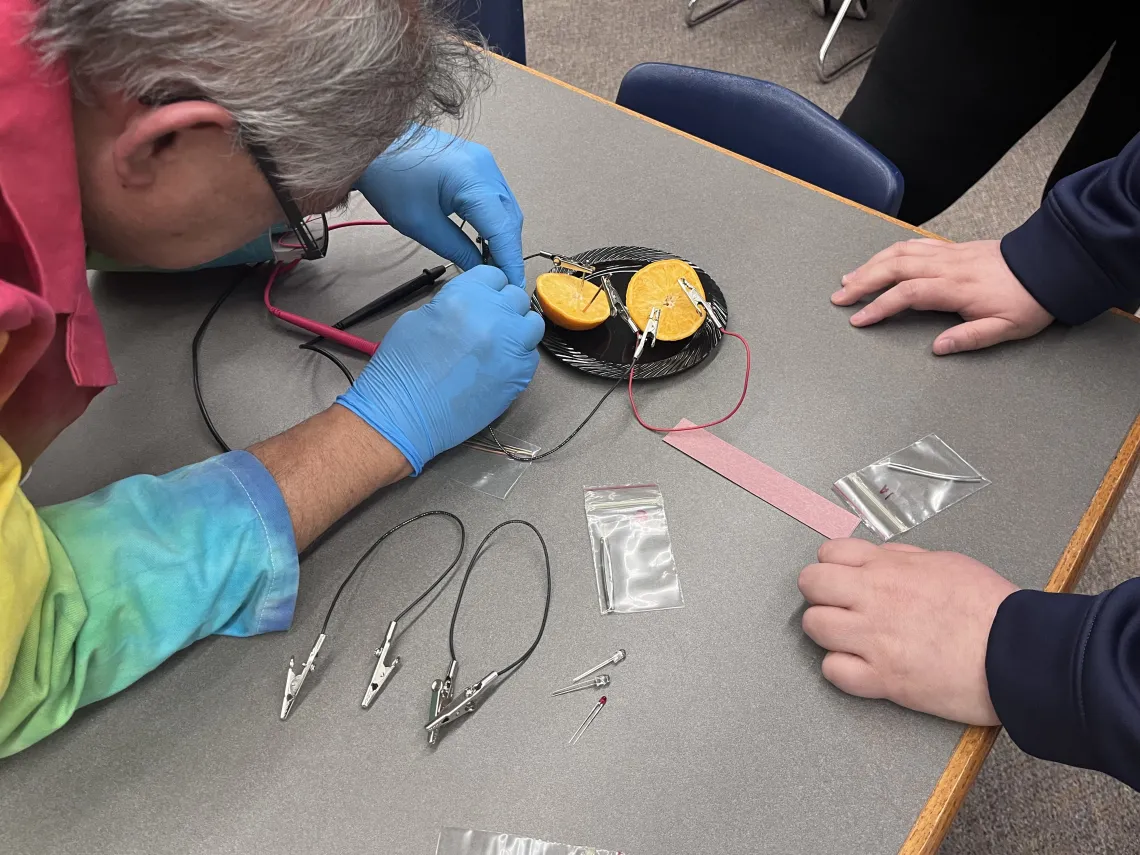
pixel 1064 677
pixel 1079 255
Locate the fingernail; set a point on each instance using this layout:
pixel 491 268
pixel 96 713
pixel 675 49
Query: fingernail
pixel 838 295
pixel 859 317
pixel 944 346
pixel 844 277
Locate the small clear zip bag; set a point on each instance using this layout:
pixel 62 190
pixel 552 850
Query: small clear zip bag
pixel 633 555
pixel 895 494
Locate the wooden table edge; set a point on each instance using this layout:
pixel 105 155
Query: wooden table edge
pixel 965 762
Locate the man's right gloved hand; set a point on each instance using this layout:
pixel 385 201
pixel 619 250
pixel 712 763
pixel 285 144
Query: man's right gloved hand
pixel 448 369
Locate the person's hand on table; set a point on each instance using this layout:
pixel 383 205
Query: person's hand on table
pixel 417 187
pixel 971 279
pixel 448 369
pixel 905 624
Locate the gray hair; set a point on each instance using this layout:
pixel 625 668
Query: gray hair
pixel 323 85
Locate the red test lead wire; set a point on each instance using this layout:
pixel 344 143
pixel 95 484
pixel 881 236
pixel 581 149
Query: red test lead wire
pixel 341 337
pixel 345 225
pixel 739 404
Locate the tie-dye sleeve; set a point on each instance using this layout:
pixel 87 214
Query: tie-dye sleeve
pixel 108 586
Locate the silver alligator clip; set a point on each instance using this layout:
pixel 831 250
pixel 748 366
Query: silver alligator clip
pixel 465 705
pixel 383 669
pixel 294 681
pixel 650 334
pixel 710 311
pixel 440 696
pixel 563 261
pixel 617 304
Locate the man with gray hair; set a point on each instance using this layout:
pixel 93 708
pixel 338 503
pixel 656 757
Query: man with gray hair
pixel 166 133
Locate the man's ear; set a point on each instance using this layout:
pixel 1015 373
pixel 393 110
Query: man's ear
pixel 151 133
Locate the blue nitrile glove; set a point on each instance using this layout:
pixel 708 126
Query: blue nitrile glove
pixel 417 187
pixel 448 369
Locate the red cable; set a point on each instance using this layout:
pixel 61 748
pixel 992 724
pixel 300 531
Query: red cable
pixel 341 337
pixel 336 226
pixel 743 393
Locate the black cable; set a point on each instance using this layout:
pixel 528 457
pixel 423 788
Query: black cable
pixel 463 587
pixel 330 357
pixel 381 539
pixel 196 347
pixel 388 301
pixel 524 459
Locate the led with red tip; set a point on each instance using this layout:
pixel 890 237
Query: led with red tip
pixel 589 720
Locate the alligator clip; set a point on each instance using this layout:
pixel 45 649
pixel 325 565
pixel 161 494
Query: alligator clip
pixel 440 696
pixel 563 261
pixel 650 334
pixel 710 311
pixel 617 304
pixel 466 705
pixel 294 681
pixel 383 669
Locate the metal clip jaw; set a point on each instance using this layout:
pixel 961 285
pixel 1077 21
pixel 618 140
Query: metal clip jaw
pixel 562 261
pixel 465 705
pixel 294 681
pixel 383 669
pixel 650 334
pixel 440 696
pixel 710 311
pixel 617 304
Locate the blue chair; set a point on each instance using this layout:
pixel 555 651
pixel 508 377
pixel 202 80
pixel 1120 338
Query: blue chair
pixel 501 22
pixel 766 123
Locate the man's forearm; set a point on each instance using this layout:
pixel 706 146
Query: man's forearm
pixel 327 465
pixel 1064 677
pixel 1079 253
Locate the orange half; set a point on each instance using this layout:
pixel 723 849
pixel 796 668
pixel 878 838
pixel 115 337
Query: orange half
pixel 564 300
pixel 656 285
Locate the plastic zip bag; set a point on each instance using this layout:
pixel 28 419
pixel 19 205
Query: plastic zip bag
pixel 633 555
pixel 895 494
pixel 461 841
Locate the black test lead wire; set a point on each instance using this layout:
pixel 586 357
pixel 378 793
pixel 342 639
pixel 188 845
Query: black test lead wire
pixel 196 348
pixel 442 689
pixel 524 458
pixel 295 680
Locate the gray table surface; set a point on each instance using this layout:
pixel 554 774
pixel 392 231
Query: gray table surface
pixel 721 735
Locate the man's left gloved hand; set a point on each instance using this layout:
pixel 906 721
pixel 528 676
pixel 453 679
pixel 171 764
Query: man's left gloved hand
pixel 417 187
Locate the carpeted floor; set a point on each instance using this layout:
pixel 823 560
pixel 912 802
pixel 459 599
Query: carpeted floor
pixel 1018 805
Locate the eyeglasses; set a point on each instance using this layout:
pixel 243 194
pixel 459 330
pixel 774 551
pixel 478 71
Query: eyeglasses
pixel 311 247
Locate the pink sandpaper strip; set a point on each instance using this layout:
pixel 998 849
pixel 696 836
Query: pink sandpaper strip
pixel 761 480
